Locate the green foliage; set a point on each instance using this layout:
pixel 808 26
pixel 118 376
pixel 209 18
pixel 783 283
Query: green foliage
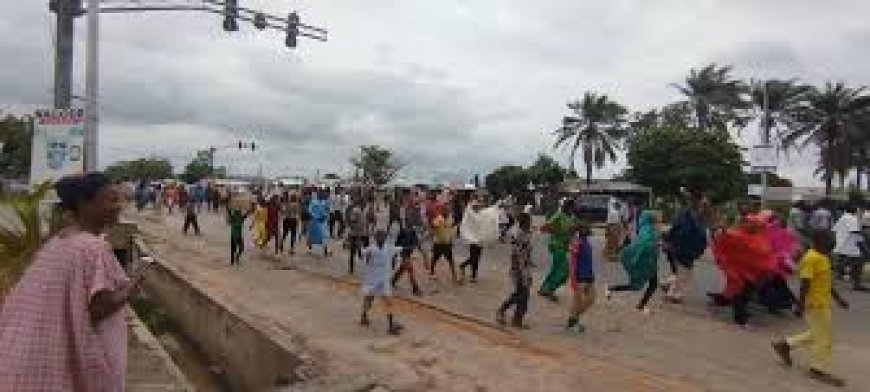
pixel 836 119
pixel 546 172
pixel 15 155
pixel 857 198
pixel 667 158
pixel 716 98
pixel 595 128
pixel 773 180
pixel 678 115
pixel 377 164
pixel 783 101
pixel 140 169
pixel 21 234
pixel 198 168
pixel 506 180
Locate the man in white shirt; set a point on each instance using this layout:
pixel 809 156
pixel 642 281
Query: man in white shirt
pixel 336 213
pixel 848 248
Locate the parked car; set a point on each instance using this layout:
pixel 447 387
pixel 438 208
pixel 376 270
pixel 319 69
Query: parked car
pixel 593 208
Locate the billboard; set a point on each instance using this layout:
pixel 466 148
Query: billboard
pixel 58 144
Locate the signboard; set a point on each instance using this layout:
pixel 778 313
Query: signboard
pixel 762 159
pixel 755 190
pixel 58 144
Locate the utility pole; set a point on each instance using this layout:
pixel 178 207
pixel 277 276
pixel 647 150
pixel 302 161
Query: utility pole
pixel 765 139
pixel 92 86
pixel 65 11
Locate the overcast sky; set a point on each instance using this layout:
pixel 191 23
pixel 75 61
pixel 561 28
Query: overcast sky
pixel 455 87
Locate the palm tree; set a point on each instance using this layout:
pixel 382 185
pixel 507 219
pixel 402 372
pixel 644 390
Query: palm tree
pixel 778 104
pixel 835 119
pixel 595 128
pixel 716 98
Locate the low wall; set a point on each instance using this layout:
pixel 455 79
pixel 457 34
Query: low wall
pixel 251 360
pixel 149 366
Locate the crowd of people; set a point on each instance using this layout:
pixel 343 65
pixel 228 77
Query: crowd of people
pixel 78 339
pixel 757 253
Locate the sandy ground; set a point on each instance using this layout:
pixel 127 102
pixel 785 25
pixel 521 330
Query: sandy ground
pixel 673 349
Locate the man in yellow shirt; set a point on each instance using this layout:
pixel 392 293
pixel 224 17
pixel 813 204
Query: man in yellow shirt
pixel 815 306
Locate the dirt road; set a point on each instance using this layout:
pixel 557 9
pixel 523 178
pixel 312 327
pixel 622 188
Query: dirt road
pixel 450 343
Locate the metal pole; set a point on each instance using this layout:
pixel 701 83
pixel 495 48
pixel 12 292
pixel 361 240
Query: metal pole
pixel 63 56
pixel 765 139
pixel 92 86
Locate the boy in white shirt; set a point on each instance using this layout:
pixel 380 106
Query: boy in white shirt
pixel 848 249
pixel 379 258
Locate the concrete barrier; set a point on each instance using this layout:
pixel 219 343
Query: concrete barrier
pixel 149 366
pixel 249 358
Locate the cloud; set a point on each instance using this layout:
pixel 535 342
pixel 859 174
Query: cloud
pixel 455 87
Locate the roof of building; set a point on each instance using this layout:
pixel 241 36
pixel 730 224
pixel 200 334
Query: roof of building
pixel 574 185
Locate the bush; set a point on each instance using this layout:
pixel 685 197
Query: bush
pixel 22 231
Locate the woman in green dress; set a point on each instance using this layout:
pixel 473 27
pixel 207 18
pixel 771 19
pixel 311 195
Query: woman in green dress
pixel 640 260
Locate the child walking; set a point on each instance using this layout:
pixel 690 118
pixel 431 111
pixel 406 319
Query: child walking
pixel 815 306
pixel 259 225
pixel 520 275
pixel 357 235
pixel 408 240
pixel 377 280
pixel 236 220
pixel 582 278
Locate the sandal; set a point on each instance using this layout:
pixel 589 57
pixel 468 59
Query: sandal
pixel 500 318
pixel 783 350
pixel 395 329
pixel 827 378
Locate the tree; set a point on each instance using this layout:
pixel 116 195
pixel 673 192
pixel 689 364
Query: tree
pixel 668 158
pixel 198 168
pixel 677 114
pixel 835 120
pixel 16 137
pixel 378 164
pixel 716 98
pixel 773 180
pixel 546 172
pixel 778 103
pixel 595 128
pixel 505 180
pixel 140 169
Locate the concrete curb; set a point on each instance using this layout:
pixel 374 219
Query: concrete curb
pixel 237 341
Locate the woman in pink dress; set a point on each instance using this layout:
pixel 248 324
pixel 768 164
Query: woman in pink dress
pixel 62 326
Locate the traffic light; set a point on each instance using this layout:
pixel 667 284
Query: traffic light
pixel 253 146
pixel 292 29
pixel 241 145
pixel 260 21
pixel 74 7
pixel 231 12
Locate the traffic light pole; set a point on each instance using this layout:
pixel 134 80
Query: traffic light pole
pixel 63 55
pixel 67 10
